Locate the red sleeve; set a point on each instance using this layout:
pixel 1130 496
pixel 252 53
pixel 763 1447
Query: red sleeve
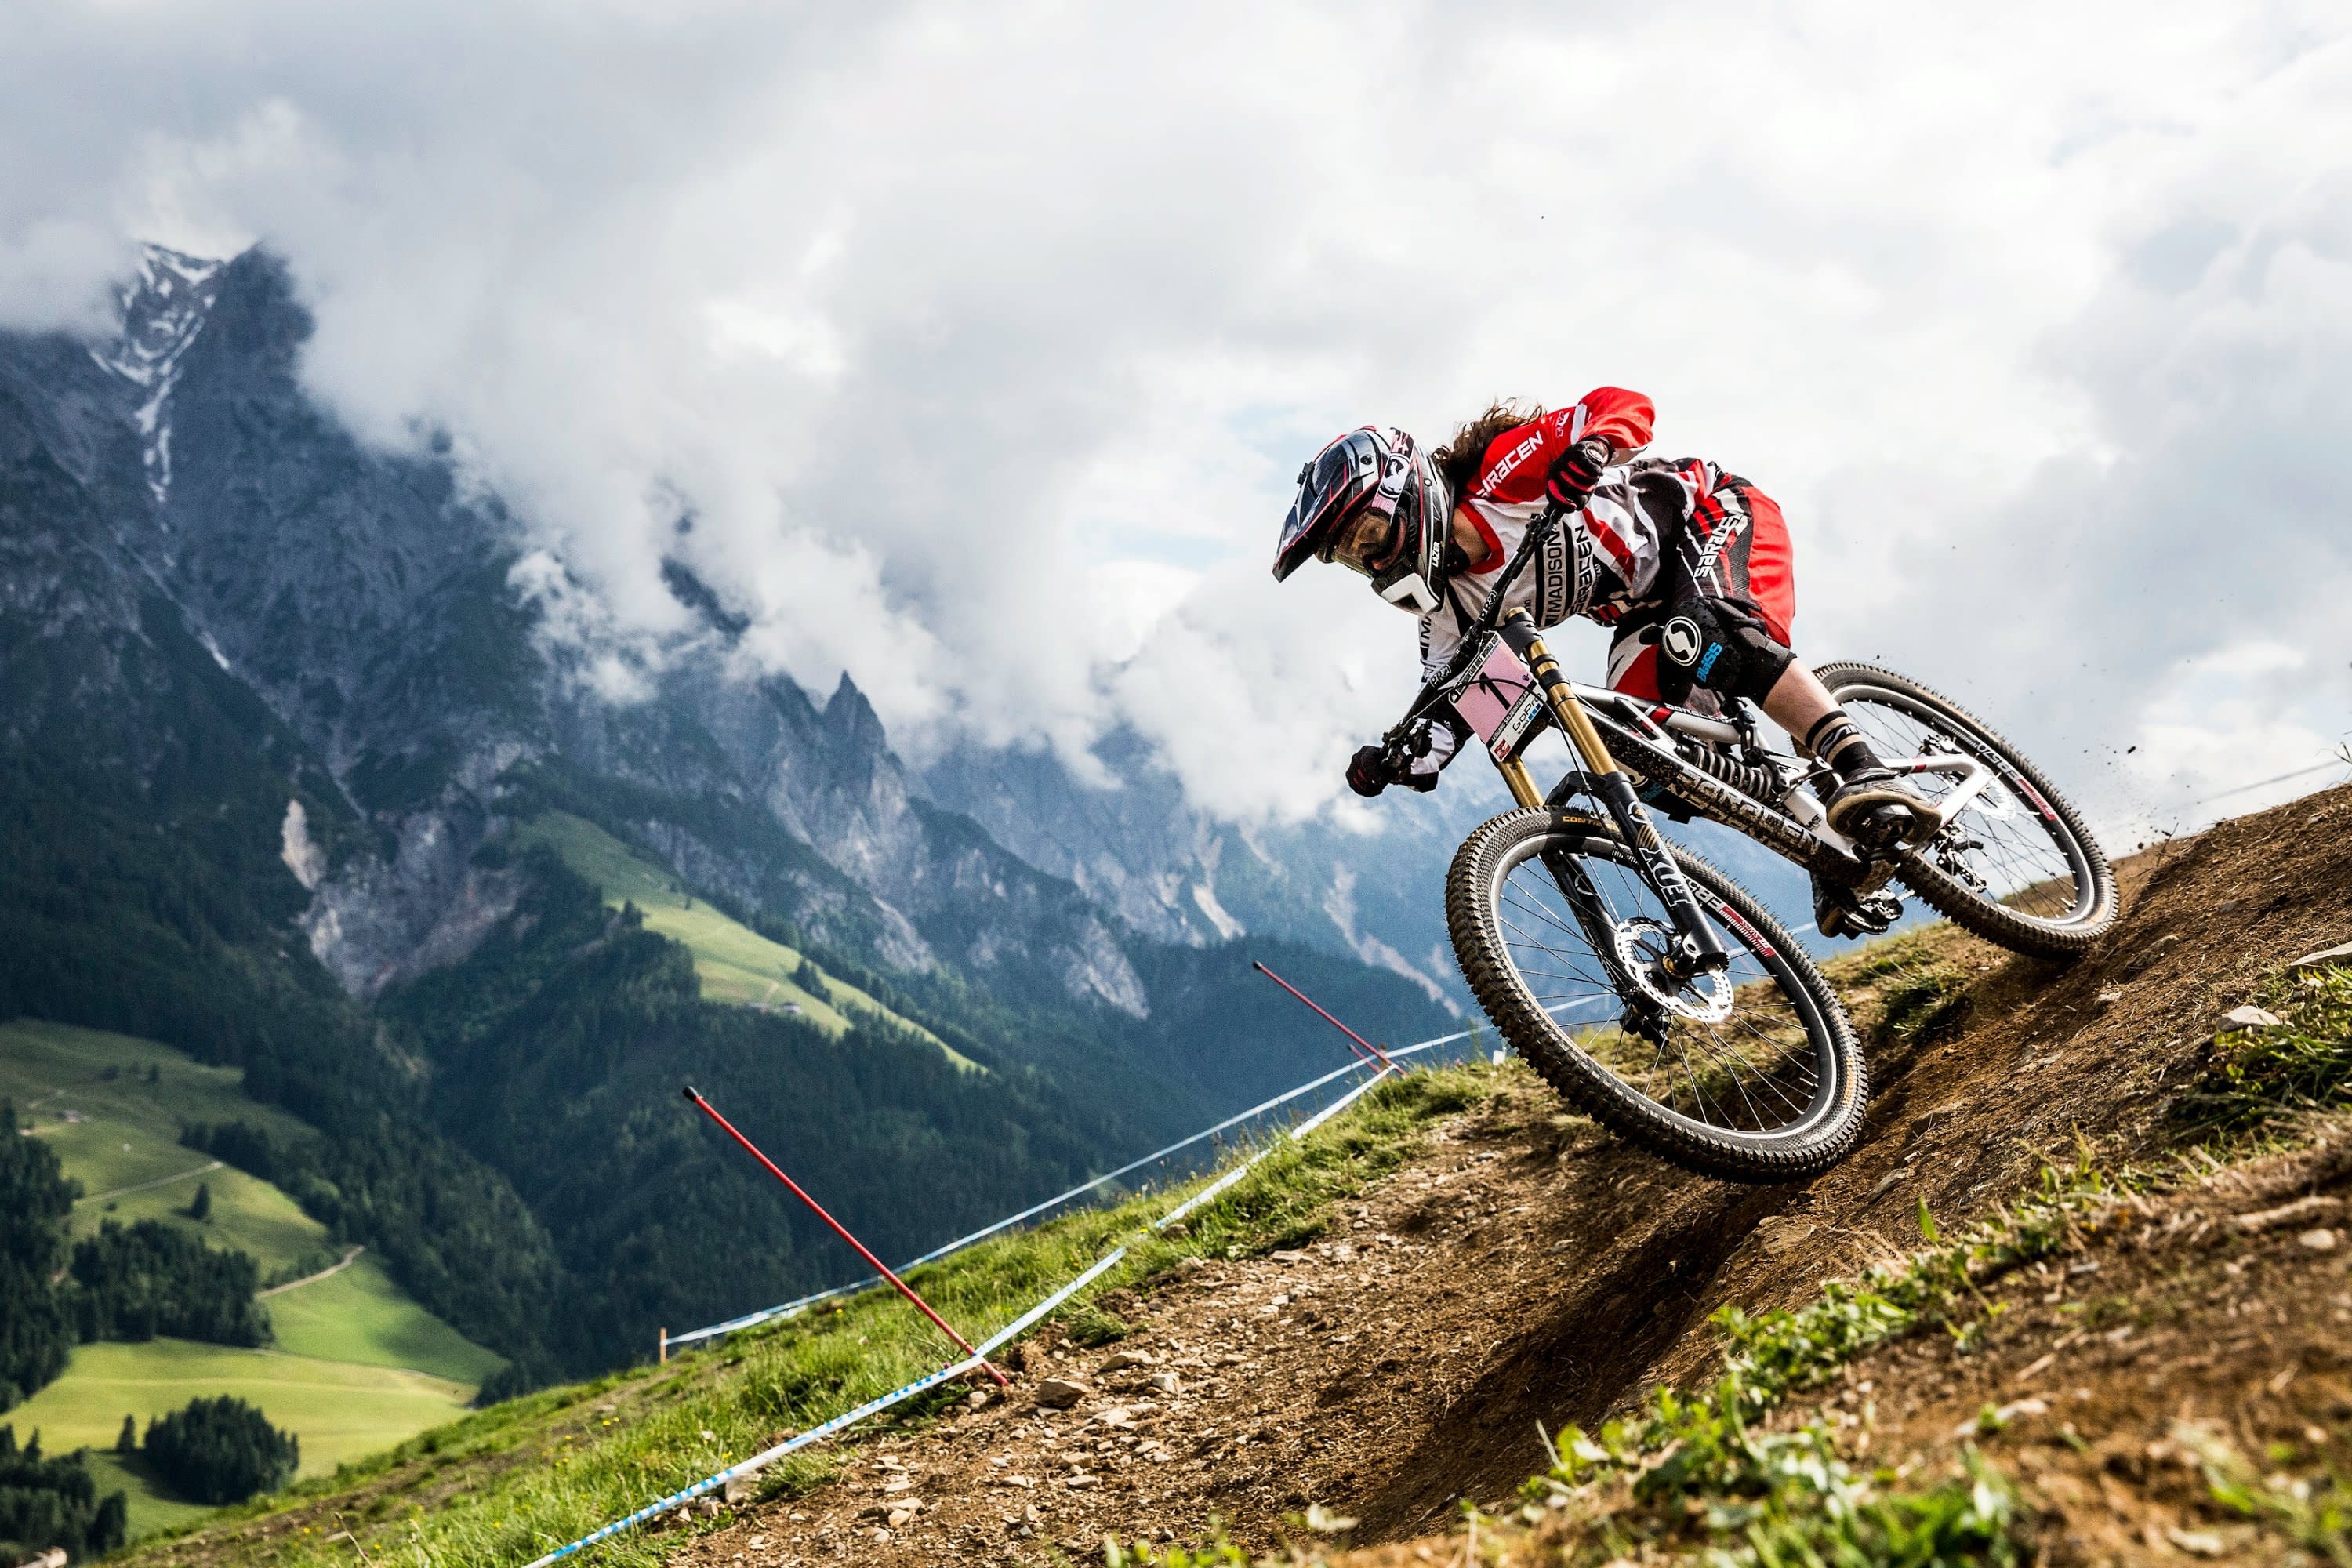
pixel 1518 461
pixel 1625 419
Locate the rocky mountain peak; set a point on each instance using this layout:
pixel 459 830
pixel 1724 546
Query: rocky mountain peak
pixel 165 309
pixel 850 718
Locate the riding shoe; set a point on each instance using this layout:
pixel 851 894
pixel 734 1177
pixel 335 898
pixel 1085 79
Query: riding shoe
pixel 1873 806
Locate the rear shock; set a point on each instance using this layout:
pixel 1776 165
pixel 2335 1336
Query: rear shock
pixel 1751 779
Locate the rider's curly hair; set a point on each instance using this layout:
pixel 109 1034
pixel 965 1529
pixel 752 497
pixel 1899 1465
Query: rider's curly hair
pixel 1460 459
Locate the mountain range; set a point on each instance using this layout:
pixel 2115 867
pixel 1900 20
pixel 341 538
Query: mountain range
pixel 284 720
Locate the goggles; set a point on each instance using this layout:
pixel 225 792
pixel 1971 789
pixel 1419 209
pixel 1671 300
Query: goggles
pixel 1367 542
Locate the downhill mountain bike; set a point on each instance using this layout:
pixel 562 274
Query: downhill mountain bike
pixel 1650 990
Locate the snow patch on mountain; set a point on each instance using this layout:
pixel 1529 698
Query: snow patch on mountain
pixel 163 311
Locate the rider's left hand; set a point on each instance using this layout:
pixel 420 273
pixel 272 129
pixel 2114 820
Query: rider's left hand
pixel 1575 473
pixel 1368 771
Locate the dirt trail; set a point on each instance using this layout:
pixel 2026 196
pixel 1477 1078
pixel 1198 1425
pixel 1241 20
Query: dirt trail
pixel 1526 1269
pixel 350 1255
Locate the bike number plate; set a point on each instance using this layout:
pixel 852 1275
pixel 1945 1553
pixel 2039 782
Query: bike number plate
pixel 1501 701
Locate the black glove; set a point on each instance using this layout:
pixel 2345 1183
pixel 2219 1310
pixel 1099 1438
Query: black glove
pixel 1718 644
pixel 1575 472
pixel 1369 772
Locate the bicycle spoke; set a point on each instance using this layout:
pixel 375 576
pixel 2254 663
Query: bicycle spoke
pixel 2020 860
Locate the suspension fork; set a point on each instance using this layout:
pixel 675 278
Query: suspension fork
pixel 1697 949
pixel 1568 874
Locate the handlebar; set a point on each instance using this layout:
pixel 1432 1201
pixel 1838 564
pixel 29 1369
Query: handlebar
pixel 1407 737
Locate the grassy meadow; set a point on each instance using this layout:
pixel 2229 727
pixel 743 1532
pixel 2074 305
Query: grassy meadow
pixel 357 1365
pixel 361 1317
pixel 129 1137
pixel 341 1411
pixel 735 963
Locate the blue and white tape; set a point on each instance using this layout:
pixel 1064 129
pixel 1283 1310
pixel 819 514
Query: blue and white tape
pixel 1017 1327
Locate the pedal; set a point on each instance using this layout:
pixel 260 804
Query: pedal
pixel 1868 915
pixel 1887 827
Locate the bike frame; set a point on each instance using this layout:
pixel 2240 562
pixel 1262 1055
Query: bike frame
pixel 1609 731
pixel 1640 733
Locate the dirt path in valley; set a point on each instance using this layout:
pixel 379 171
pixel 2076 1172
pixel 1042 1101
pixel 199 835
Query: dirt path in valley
pixel 350 1255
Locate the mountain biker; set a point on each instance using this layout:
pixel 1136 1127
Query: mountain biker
pixel 1689 563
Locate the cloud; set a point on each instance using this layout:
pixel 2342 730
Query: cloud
pixel 2175 580
pixel 980 347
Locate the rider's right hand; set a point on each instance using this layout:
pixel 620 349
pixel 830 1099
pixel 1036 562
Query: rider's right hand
pixel 1369 771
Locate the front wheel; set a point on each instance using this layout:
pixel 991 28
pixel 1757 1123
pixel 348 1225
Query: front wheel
pixel 1751 1073
pixel 2016 865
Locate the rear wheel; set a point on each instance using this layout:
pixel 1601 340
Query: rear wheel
pixel 2016 866
pixel 1751 1073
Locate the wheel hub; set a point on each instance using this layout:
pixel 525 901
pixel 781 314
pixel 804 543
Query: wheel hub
pixel 1640 943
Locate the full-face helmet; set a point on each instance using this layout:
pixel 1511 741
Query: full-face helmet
pixel 1373 501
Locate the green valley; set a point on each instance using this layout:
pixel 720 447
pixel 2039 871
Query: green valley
pixel 357 1365
pixel 734 963
pixel 112 1107
pixel 341 1410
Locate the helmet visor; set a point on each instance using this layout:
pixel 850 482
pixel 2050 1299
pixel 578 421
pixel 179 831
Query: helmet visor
pixel 1367 542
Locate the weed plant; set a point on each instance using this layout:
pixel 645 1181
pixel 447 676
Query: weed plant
pixel 2314 1514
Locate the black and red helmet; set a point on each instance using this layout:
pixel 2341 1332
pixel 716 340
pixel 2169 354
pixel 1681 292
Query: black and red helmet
pixel 1373 501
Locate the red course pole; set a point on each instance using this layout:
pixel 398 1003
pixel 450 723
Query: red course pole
pixel 842 1231
pixel 1377 1054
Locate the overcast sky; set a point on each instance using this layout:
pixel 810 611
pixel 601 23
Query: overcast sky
pixel 983 343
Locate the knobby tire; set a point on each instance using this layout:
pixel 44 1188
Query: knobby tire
pixel 1473 890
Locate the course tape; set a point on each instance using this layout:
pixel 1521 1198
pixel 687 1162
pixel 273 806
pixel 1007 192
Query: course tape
pixel 1017 1327
pixel 795 1307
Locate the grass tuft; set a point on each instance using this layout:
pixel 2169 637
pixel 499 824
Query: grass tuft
pixel 2315 1514
pixel 2257 1077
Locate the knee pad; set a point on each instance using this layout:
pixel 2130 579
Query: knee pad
pixel 1755 665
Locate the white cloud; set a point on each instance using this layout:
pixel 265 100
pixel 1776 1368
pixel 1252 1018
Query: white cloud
pixel 982 346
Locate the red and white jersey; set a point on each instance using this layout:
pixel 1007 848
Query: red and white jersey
pixel 1604 558
pixel 1607 558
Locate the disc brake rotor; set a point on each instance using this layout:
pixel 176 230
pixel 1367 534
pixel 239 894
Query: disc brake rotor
pixel 1640 943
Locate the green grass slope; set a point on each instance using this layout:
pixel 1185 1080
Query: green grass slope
pixel 358 1364
pixel 341 1411
pixel 125 1151
pixel 503 1485
pixel 358 1315
pixel 125 1148
pixel 735 963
